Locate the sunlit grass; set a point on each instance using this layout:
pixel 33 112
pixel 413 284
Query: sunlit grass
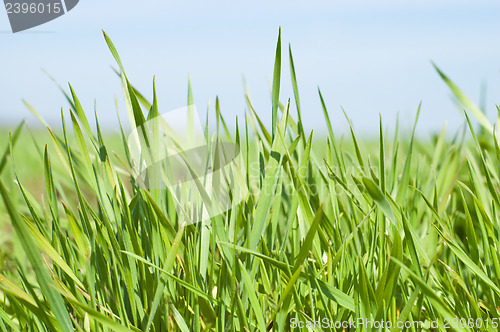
pixel 333 228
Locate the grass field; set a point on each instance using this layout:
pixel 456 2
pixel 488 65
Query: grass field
pixel 333 229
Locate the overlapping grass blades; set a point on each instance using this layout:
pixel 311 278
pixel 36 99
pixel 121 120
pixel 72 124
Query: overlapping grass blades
pixel 336 228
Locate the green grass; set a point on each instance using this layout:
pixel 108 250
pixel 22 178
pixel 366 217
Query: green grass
pixel 333 228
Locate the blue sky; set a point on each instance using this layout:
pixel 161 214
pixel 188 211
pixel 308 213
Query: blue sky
pixel 368 57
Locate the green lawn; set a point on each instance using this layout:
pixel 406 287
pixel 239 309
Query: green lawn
pixel 333 229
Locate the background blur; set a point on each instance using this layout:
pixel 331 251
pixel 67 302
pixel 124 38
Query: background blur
pixel 370 57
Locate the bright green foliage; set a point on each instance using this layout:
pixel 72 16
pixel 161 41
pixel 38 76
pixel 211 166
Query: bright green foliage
pixel 396 229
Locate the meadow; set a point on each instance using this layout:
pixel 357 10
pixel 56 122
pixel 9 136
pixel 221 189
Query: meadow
pixel 332 229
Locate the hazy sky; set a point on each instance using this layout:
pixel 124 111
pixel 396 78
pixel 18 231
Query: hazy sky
pixel 369 57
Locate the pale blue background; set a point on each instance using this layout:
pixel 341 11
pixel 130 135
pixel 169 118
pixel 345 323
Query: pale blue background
pixel 368 56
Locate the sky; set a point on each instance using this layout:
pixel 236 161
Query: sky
pixel 367 57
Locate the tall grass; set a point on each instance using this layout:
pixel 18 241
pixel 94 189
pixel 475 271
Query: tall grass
pixel 404 232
